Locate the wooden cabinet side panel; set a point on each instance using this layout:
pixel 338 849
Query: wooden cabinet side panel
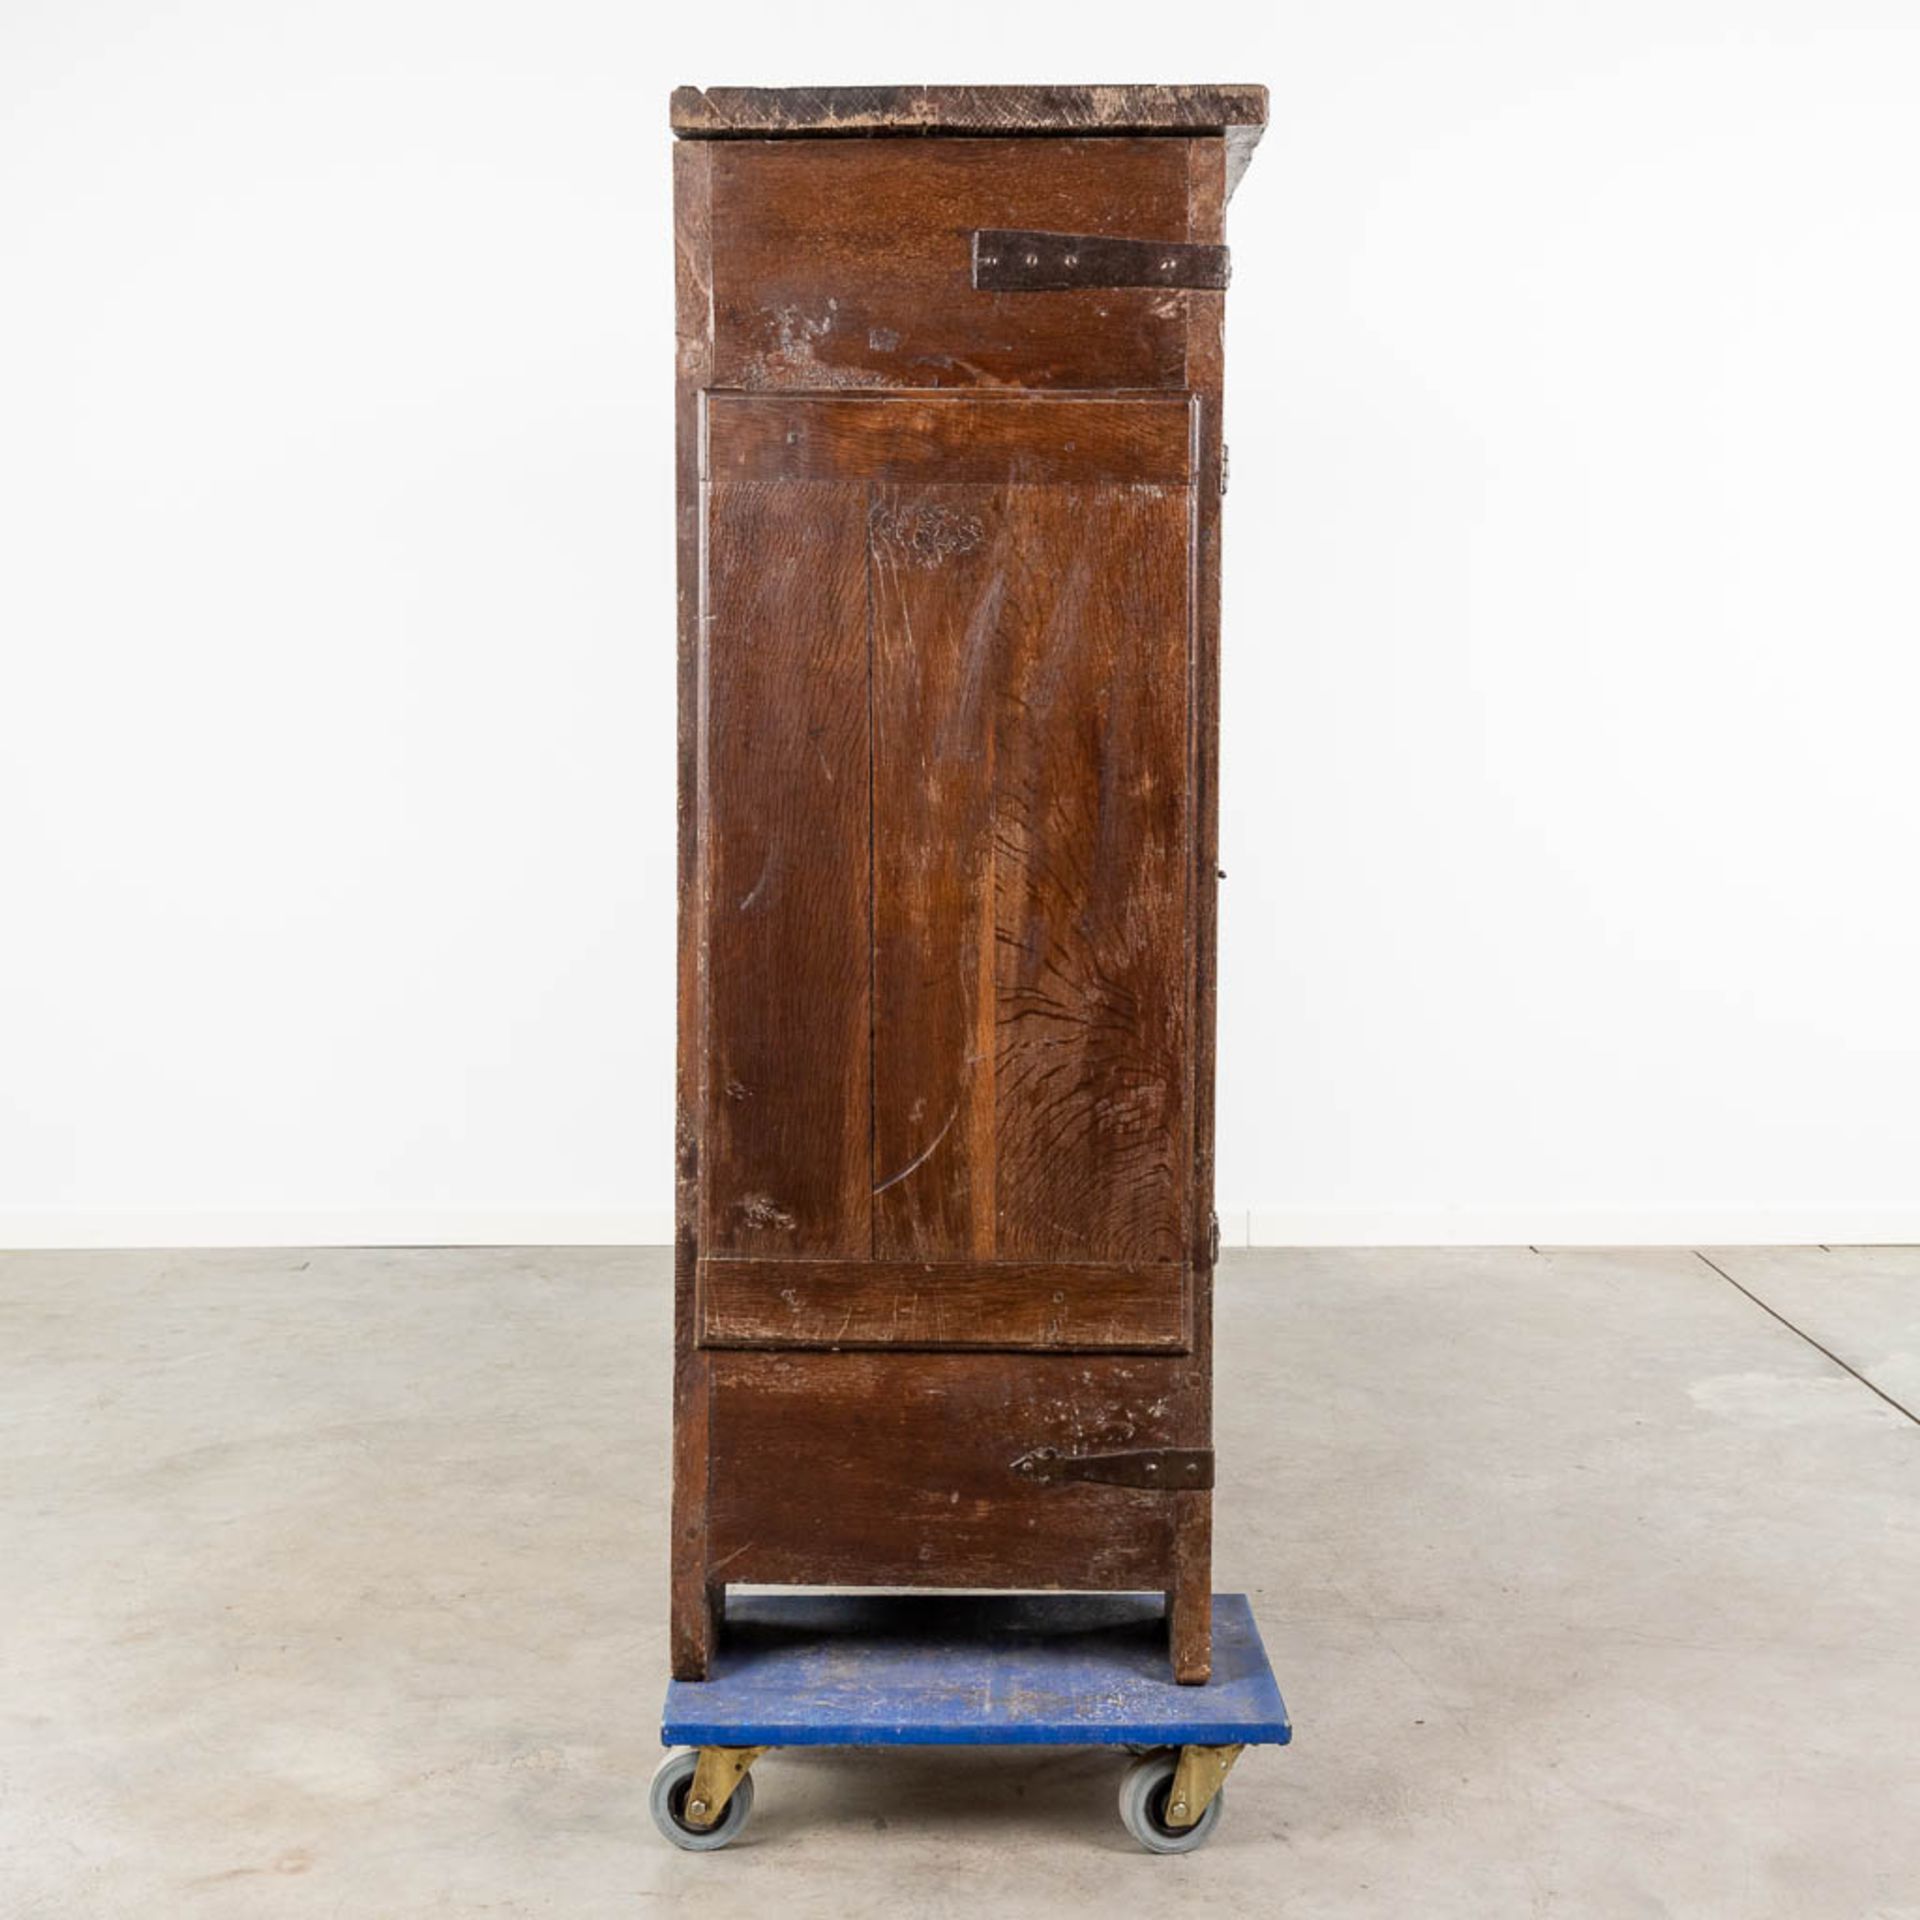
pixel 872 1442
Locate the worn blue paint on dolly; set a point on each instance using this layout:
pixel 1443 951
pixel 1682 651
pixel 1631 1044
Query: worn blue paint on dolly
pixel 872 1670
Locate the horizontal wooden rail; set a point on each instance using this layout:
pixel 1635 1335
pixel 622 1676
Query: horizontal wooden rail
pixel 1003 440
pixel 1019 1306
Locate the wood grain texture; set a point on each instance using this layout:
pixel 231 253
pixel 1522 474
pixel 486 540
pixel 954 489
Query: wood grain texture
pixel 1205 354
pixel 1212 168
pixel 848 263
pixel 1029 839
pixel 1007 438
pixel 787 817
pixel 766 112
pixel 1091 856
pixel 894 1469
pixel 1012 1306
pixel 937 601
pixel 1031 852
pixel 1190 1592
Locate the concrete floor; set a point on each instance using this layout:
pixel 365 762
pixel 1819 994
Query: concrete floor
pixel 331 1585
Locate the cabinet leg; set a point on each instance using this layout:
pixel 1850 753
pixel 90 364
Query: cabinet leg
pixel 1190 1598
pixel 693 1620
pixel 694 1628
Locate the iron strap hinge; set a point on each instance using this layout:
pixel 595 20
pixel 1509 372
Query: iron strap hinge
pixel 1013 260
pixel 1170 1469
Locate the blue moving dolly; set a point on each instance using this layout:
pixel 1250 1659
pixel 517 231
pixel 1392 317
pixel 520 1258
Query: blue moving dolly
pixel 835 1670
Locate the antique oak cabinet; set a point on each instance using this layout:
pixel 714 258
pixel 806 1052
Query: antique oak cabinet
pixel 950 470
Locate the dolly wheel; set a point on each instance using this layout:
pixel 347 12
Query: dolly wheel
pixel 1143 1806
pixel 667 1801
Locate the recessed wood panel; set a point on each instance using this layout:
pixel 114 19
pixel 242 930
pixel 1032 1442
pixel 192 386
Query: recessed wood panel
pixel 949 854
pixel 895 1469
pixel 848 263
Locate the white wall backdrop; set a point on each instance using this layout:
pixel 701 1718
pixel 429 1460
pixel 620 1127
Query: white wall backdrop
pixel 1572 805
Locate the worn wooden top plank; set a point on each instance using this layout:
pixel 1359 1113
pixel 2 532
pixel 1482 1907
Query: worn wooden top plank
pixel 709 113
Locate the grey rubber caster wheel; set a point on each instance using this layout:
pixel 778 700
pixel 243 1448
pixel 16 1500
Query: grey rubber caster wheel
pixel 1143 1806
pixel 667 1802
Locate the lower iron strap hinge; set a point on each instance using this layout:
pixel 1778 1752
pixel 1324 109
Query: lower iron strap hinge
pixel 1171 1469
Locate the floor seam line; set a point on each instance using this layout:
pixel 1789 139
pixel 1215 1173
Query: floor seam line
pixel 1801 1333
